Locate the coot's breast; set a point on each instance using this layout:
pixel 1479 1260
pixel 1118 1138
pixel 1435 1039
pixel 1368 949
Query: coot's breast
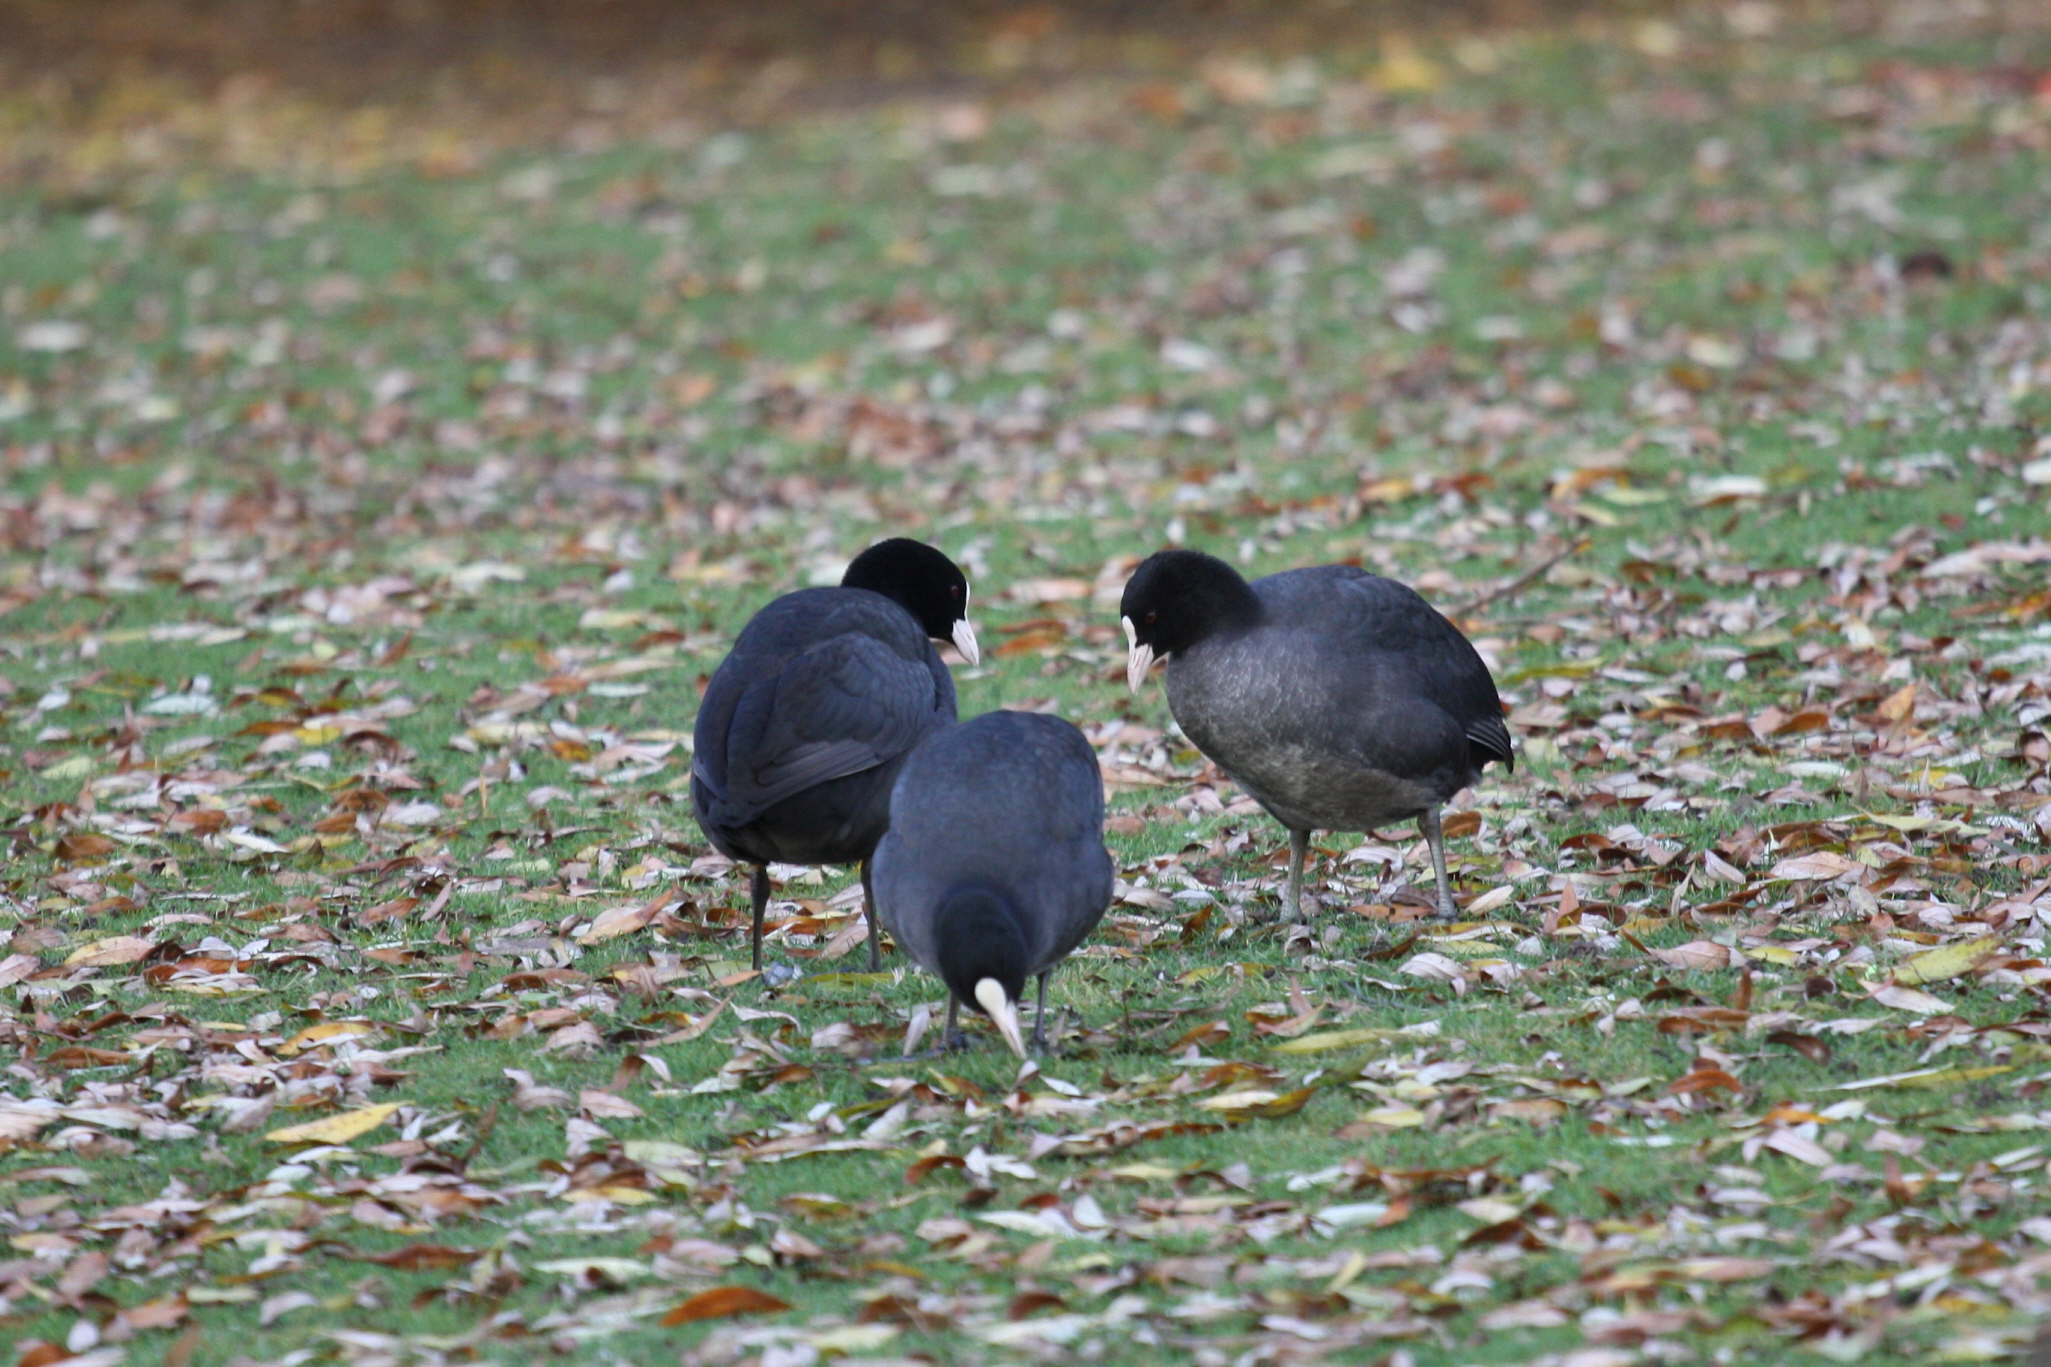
pixel 1313 731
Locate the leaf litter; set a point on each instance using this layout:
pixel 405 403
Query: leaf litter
pixel 372 997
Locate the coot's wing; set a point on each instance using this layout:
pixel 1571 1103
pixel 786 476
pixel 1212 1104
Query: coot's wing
pixel 1084 877
pixel 1411 641
pixel 907 896
pixel 849 703
pixel 1075 873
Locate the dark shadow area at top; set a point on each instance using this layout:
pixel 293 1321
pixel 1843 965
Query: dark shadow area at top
pixel 848 49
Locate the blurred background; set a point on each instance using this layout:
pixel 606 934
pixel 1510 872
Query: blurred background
pixel 443 82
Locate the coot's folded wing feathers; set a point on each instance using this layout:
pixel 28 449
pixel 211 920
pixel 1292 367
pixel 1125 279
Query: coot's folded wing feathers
pixel 1086 876
pixel 1075 873
pixel 1413 643
pixel 847 704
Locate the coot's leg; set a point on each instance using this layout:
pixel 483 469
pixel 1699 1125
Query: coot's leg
pixel 1429 824
pixel 1299 847
pixel 952 1039
pixel 1040 1018
pixel 759 890
pixel 869 911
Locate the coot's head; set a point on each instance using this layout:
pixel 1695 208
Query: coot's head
pixel 928 585
pixel 983 956
pixel 1175 599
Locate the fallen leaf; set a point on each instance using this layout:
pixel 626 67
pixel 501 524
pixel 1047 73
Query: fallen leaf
pixel 1946 961
pixel 336 1129
pixel 720 1303
pixel 116 949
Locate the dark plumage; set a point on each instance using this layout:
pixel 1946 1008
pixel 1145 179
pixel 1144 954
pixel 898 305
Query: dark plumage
pixel 995 866
pixel 807 721
pixel 1339 699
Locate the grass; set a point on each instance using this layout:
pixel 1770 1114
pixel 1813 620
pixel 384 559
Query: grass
pixel 347 495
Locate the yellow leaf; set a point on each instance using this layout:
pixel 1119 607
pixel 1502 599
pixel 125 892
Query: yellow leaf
pixel 1955 1077
pixel 1235 1101
pixel 852 1339
pixel 325 1033
pixel 1899 705
pixel 1405 70
pixel 1929 1078
pixel 1263 1105
pixel 1946 961
pixel 115 949
pixel 1394 1117
pixel 618 1195
pixel 1771 954
pixel 1145 1172
pixel 336 1129
pixel 850 979
pixel 1327 1040
pixel 1467 949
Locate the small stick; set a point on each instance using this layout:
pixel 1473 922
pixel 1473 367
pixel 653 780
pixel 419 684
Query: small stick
pixel 1524 580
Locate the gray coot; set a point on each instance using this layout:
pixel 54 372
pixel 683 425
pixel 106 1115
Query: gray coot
pixel 807 721
pixel 994 867
pixel 1339 699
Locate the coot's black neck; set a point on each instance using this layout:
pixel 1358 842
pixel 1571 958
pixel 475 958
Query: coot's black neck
pixel 980 937
pixel 1214 606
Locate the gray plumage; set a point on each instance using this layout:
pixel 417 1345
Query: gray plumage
pixel 994 865
pixel 1339 700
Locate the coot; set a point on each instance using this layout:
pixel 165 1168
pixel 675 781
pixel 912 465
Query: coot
pixel 1339 699
pixel 807 721
pixel 994 867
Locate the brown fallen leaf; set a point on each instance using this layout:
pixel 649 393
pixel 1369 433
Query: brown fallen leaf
pixel 1821 866
pixel 80 846
pixel 1808 1046
pixel 721 1302
pixel 414 1257
pixel 160 1313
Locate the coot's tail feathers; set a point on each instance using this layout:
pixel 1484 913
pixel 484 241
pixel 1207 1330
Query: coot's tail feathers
pixel 1489 739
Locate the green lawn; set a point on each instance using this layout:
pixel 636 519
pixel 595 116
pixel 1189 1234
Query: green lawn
pixel 369 531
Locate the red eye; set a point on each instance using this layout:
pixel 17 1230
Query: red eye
pixel 1151 616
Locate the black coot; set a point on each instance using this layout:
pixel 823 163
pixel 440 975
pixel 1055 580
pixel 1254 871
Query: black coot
pixel 806 722
pixel 1339 699
pixel 994 867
